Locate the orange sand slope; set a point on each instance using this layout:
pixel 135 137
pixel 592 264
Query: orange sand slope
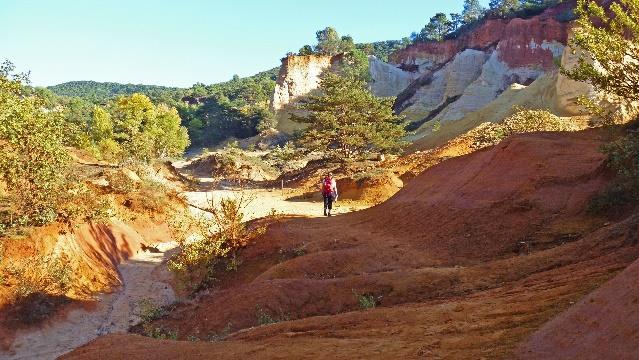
pixel 604 325
pixel 466 261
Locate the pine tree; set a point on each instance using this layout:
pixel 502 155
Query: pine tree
pixel 348 121
pixel 504 8
pixel 438 26
pixel 328 41
pixel 472 11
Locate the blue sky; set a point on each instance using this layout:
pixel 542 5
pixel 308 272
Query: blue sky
pixel 179 43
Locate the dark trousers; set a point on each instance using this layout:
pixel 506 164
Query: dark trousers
pixel 328 203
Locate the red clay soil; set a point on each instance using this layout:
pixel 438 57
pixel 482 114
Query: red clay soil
pixel 110 244
pixel 604 325
pixel 466 261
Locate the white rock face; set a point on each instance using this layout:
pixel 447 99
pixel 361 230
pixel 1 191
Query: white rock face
pixel 448 82
pixel 299 75
pixel 555 47
pixel 569 91
pixel 496 76
pixel 388 80
pixel 467 83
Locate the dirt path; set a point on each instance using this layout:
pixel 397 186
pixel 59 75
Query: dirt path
pixel 143 277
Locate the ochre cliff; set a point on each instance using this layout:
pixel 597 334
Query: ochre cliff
pixel 520 41
pixel 459 76
pixel 299 75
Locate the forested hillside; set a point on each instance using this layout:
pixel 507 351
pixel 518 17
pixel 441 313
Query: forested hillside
pixel 100 92
pixel 211 113
pixel 236 108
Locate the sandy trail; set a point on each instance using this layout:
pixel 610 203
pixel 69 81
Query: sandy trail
pixel 142 276
pixel 264 201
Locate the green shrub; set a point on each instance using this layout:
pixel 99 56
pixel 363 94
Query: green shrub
pixel 33 160
pixel 527 120
pixel 208 243
pixel 486 134
pixel 232 145
pixel 437 125
pixel 148 310
pixel 286 254
pixel 161 333
pixel 264 318
pixel 375 173
pixel 83 204
pixel 120 183
pixel 284 153
pixel 366 301
pixel 150 198
pixel 51 276
pixel 221 335
pixel 35 308
pixel 623 160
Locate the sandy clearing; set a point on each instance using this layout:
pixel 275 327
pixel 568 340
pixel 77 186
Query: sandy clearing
pixel 264 201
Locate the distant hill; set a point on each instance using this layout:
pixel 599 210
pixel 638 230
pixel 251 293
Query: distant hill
pixel 99 92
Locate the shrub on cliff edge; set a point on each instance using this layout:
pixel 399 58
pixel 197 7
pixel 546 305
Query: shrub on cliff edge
pixel 522 121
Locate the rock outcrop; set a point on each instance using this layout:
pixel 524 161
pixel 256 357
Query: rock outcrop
pixel 568 90
pixel 463 75
pixel 521 41
pixel 299 75
pixel 389 80
pixel 450 82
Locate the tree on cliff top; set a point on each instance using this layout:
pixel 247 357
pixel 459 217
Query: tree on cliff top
pixel 438 26
pixel 328 41
pixel 348 121
pixel 504 8
pixel 472 11
pixel 612 41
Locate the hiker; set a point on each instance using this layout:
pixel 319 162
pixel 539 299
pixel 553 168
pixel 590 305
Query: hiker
pixel 328 187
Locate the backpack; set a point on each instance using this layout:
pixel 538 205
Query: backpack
pixel 327 186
